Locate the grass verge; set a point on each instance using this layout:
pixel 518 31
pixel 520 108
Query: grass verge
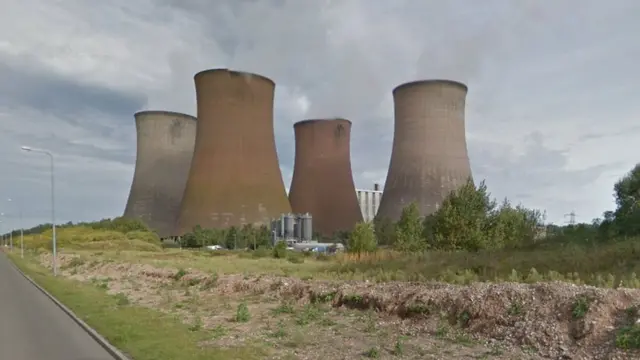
pixel 141 333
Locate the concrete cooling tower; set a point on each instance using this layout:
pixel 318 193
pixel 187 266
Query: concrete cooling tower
pixel 164 150
pixel 429 157
pixel 322 183
pixel 235 176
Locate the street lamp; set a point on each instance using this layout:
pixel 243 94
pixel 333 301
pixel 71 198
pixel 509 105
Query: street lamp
pixel 53 204
pixel 21 229
pixel 10 235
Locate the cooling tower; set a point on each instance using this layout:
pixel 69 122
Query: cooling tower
pixel 164 150
pixel 429 157
pixel 235 176
pixel 322 184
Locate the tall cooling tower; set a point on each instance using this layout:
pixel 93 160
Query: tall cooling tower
pixel 164 151
pixel 429 157
pixel 322 182
pixel 235 176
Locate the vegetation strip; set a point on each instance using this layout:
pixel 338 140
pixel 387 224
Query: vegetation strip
pixel 141 333
pixel 117 355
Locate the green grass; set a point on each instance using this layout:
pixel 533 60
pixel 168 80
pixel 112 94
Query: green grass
pixel 629 337
pixel 604 265
pixel 596 265
pixel 141 333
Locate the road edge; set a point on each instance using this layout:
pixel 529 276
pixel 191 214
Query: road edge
pixel 112 350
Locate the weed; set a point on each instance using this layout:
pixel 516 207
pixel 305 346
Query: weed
pixel 219 331
pixel 324 297
pixel 210 282
pixel 464 318
pixel 372 353
pixel 464 339
pixel 417 309
pixel 309 314
pixel 580 307
pixel 628 337
pixel 280 332
pixel 631 313
pixel 121 299
pixel 515 309
pixel 283 308
pixel 371 322
pixel 242 313
pixel 180 274
pixel 193 282
pixel 398 348
pixel 196 325
pixel 442 331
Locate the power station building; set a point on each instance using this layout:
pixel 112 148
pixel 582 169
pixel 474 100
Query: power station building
pixel 235 176
pixel 322 182
pixel 165 142
pixel 429 156
pixel 369 201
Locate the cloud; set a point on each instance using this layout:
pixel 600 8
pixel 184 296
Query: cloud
pixel 549 111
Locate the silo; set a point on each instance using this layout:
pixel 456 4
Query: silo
pixel 165 142
pixel 322 183
pixel 307 227
pixel 297 230
pixel 429 157
pixel 289 221
pixel 235 176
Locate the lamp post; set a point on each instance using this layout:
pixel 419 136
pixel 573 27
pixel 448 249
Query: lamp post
pixel 53 205
pixel 21 228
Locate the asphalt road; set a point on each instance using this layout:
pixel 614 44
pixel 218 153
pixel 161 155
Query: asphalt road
pixel 32 327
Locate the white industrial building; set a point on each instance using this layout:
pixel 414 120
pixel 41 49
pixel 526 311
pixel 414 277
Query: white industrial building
pixel 369 201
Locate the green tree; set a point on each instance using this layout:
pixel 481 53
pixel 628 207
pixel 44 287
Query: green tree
pixel 512 227
pixel 385 231
pixel 231 238
pixel 263 236
pixel 627 196
pixel 362 239
pixel 410 230
pixel 462 221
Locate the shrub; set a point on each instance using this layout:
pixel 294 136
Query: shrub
pixel 362 239
pixel 409 230
pixel 280 250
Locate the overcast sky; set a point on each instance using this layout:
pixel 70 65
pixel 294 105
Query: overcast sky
pixel 552 114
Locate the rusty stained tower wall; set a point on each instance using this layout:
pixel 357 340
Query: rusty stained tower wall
pixel 429 157
pixel 165 142
pixel 322 183
pixel 235 176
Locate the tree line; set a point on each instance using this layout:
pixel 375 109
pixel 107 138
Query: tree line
pixel 470 220
pixel 467 220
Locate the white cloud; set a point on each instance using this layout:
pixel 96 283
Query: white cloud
pixel 550 107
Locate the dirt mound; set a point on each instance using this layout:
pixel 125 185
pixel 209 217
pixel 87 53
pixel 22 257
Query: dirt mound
pixel 559 320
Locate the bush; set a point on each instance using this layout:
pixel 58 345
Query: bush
pixel 280 250
pixel 362 239
pixel 409 230
pixel 469 220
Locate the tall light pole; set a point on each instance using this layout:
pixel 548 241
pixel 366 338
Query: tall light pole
pixel 21 228
pixel 53 205
pixel 10 235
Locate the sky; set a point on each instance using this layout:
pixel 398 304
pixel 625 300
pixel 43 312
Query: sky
pixel 552 111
